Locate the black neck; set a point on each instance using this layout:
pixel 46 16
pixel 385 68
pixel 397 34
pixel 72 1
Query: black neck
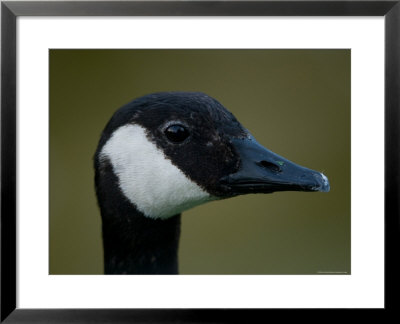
pixel 133 243
pixel 140 245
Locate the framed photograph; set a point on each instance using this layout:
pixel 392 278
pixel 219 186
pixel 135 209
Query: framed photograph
pixel 144 139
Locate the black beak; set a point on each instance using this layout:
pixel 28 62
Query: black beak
pixel 263 171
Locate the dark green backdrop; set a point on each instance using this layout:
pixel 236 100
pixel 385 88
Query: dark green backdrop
pixel 295 102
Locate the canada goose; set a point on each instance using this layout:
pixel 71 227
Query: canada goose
pixel 164 153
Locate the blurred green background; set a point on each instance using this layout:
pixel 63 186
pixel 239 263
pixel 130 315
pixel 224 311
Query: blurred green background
pixel 295 102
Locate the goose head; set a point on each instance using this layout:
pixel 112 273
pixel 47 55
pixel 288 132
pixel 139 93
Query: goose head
pixel 167 152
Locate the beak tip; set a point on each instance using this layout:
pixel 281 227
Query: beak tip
pixel 325 186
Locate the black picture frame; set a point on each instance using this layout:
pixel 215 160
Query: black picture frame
pixel 10 10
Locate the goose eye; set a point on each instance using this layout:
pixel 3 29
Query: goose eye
pixel 176 133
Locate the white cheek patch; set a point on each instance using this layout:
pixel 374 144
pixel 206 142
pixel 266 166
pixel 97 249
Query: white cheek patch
pixel 147 178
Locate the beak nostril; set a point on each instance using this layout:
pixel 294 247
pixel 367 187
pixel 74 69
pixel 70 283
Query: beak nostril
pixel 270 166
